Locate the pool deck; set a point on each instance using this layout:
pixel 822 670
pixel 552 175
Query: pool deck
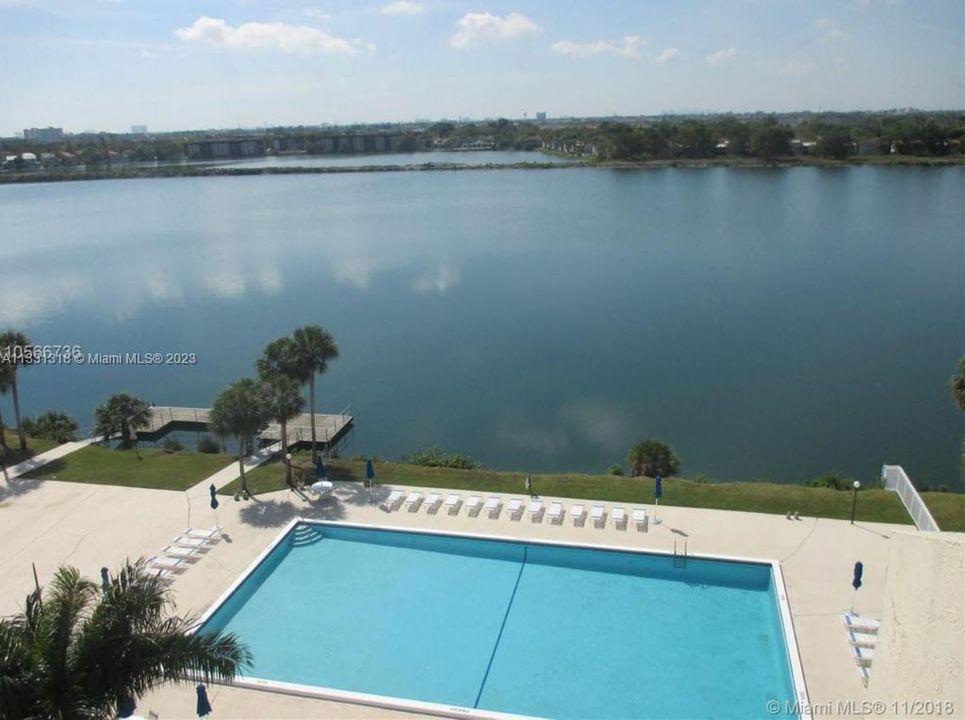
pixel 90 526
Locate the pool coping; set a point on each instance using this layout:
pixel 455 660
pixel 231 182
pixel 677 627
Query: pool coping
pixel 802 703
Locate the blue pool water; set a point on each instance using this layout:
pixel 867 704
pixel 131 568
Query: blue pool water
pixel 529 629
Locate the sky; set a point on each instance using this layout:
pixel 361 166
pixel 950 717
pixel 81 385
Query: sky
pixel 179 64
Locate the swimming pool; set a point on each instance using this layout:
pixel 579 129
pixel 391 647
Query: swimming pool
pixel 461 623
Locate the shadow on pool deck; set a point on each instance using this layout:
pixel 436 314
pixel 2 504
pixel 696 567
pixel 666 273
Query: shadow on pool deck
pixel 16 487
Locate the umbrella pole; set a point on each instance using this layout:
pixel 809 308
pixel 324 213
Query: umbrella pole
pixel 656 504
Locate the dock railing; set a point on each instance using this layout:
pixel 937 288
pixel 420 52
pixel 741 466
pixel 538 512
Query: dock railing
pixel 895 478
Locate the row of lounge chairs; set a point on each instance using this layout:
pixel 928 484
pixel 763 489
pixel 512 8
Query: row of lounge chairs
pixel 862 637
pixel 493 506
pixel 185 549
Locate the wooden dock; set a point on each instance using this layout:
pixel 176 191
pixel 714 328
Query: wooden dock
pixel 329 429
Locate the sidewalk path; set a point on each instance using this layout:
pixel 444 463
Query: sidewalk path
pixel 15 471
pixel 230 472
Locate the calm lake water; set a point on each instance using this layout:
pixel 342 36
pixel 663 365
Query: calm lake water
pixel 769 323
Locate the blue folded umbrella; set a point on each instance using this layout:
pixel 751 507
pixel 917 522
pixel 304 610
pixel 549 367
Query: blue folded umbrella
pixel 204 707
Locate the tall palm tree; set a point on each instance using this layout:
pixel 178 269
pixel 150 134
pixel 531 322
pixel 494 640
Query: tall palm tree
pixel 84 652
pixel 121 414
pixel 5 383
pixel 240 410
pixel 13 359
pixel 283 402
pixel 315 348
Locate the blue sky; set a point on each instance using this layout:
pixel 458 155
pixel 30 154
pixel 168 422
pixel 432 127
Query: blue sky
pixel 175 64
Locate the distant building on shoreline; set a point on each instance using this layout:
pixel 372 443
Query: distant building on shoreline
pixel 44 135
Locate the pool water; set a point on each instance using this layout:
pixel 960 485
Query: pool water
pixel 529 629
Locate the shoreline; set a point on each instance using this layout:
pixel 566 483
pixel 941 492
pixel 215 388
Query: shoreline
pixel 45 176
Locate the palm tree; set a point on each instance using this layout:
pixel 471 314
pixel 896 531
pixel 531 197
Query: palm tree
pixel 283 402
pixel 12 357
pixel 5 383
pixel 315 348
pixel 240 410
pixel 52 425
pixel 83 652
pixel 958 384
pixel 121 414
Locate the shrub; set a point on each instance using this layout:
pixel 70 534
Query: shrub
pixel 653 457
pixel 208 445
pixel 700 479
pixel 51 425
pixel 434 457
pixel 832 481
pixel 172 445
pixel 614 469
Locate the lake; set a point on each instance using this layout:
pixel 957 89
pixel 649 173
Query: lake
pixel 769 323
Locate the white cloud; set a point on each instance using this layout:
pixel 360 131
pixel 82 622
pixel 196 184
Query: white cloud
pixel 829 30
pixel 628 47
pixel 316 14
pixel 291 39
pixel 668 55
pixel 797 69
pixel 402 7
pixel 722 56
pixel 484 28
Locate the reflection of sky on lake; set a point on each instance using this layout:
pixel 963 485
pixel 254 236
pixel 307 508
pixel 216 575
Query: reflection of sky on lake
pixel 774 323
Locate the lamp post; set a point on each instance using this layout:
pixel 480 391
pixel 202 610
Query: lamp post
pixel 288 469
pixel 854 498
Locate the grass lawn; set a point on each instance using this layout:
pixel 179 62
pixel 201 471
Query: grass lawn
pixel 35 446
pixel 873 505
pixel 158 469
pixel 947 508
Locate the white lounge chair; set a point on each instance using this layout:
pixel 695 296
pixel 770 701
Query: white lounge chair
pixel 598 513
pixel 515 508
pixel 493 506
pixel 211 534
pixel 640 519
pixel 536 510
pixel 619 517
pixel 166 563
pixel 862 655
pixel 862 639
pixel 452 503
pixel 473 505
pixel 186 554
pixel 861 624
pixel 394 500
pixel 555 513
pixel 578 513
pixel 190 542
pixel 433 501
pixel 157 572
pixel 413 500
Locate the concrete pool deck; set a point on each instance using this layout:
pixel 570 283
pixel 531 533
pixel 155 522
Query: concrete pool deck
pixel 89 526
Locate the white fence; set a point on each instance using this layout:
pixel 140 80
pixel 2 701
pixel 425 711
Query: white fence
pixel 894 478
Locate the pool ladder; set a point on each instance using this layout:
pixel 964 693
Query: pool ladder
pixel 679 558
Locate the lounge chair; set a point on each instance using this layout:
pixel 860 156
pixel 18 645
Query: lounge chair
pixel 640 519
pixel 166 563
pixel 862 639
pixel 578 513
pixel 433 501
pixel 862 655
pixel 413 500
pixel 157 572
pixel 186 554
pixel 598 513
pixel 394 500
pixel 211 534
pixel 515 508
pixel 619 517
pixel 473 505
pixel 190 542
pixel 452 503
pixel 861 624
pixel 555 513
pixel 493 506
pixel 536 510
